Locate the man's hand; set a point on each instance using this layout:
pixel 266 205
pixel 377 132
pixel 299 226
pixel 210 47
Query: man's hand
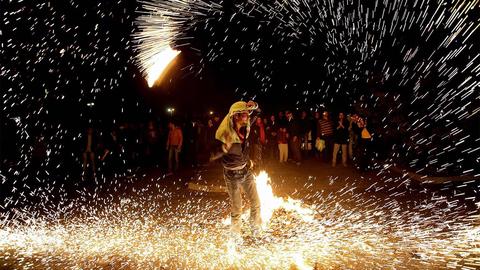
pixel 252 104
pixel 228 142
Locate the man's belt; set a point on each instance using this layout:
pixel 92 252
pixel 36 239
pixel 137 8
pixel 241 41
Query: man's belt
pixel 238 168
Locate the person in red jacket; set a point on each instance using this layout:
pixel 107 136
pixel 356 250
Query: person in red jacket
pixel 174 146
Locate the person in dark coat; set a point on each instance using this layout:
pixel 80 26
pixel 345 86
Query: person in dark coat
pixel 340 139
pixel 294 130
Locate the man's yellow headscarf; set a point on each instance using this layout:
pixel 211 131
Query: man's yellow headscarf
pixel 226 131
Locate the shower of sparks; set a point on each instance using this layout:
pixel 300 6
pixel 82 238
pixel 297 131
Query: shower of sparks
pixel 137 233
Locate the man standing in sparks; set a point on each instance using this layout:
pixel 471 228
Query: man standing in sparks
pixel 237 167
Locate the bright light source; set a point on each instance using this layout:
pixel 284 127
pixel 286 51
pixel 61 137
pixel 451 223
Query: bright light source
pixel 91 104
pixel 170 110
pixel 211 112
pixel 159 63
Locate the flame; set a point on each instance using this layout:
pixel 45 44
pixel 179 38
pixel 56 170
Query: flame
pixel 300 263
pixel 269 203
pixel 158 64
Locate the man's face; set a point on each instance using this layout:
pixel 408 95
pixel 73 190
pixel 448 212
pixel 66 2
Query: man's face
pixel 341 116
pixel 242 118
pixel 325 115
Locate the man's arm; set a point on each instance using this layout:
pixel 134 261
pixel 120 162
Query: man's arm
pixel 168 140
pixel 219 150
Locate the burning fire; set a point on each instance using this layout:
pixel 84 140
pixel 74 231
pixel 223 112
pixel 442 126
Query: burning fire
pixel 269 203
pixel 158 64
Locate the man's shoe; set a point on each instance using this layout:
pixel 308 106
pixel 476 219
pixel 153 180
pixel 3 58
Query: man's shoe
pixel 257 233
pixel 236 238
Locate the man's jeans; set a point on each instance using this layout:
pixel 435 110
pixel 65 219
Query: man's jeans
pixel 173 153
pixel 336 148
pixel 295 147
pixel 236 179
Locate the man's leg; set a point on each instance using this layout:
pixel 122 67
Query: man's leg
pixel 283 147
pixel 296 152
pixel 350 147
pixel 234 193
pixel 250 188
pixel 325 150
pixel 177 159
pixel 280 155
pixel 330 147
pixel 92 160
pixel 285 152
pixel 170 159
pixel 336 147
pixel 290 145
pixel 299 151
pixel 344 155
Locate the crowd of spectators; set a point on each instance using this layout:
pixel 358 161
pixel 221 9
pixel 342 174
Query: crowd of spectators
pixel 284 137
pixel 362 140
